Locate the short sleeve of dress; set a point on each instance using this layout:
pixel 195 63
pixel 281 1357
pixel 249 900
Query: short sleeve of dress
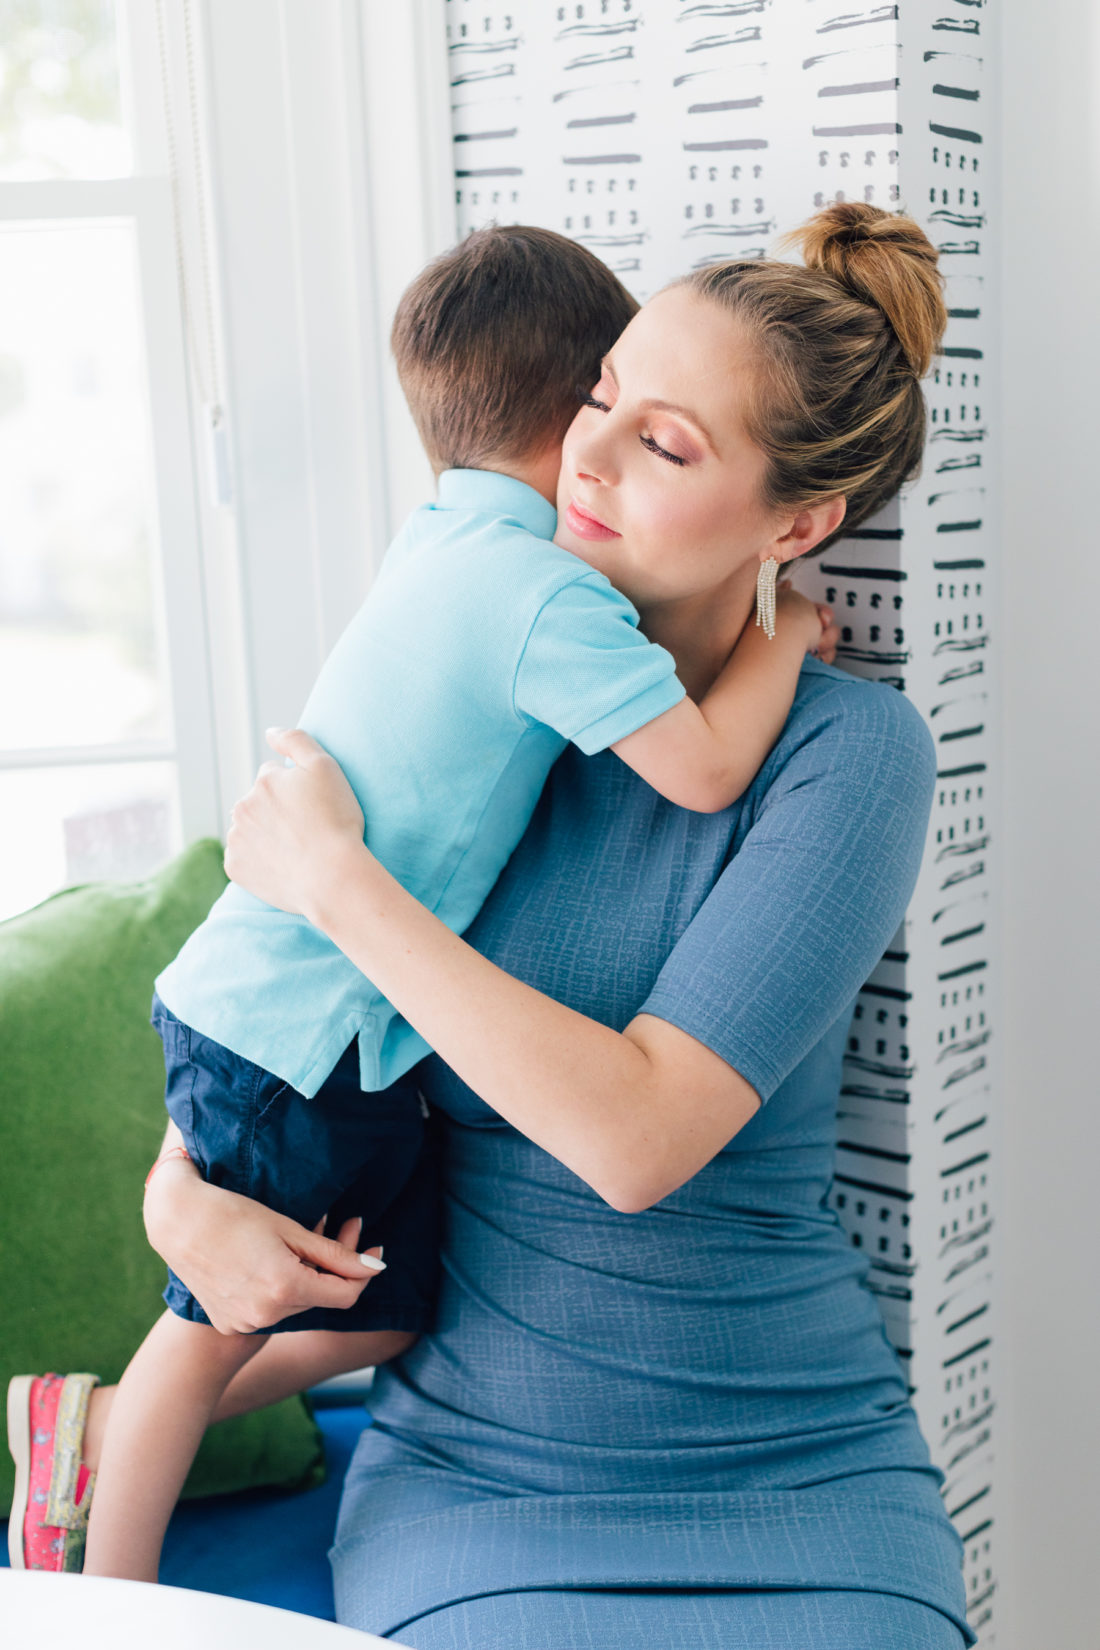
pixel 588 672
pixel 816 888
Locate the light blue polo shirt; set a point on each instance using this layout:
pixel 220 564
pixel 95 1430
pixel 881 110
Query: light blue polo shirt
pixel 481 651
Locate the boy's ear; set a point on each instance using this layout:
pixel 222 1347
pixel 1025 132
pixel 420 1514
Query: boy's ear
pixel 809 527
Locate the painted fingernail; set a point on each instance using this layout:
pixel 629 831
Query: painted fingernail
pixel 373 1263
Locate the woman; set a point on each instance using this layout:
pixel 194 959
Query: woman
pixel 659 1406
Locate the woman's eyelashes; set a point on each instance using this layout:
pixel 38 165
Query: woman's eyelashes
pixel 647 441
pixel 673 458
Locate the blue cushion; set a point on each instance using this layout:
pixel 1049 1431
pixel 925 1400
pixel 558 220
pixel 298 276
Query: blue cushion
pixel 265 1545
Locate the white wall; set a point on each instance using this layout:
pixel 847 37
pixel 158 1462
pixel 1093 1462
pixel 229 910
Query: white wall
pixel 1051 806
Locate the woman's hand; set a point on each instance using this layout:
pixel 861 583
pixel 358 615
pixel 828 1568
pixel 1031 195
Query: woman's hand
pixel 248 1266
pixel 296 827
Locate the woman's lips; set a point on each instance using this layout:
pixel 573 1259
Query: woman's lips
pixel 586 525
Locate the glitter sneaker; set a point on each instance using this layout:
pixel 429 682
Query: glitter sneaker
pixel 53 1487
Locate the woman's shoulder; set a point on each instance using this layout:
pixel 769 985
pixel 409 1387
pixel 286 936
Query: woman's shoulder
pixel 867 731
pixel 849 707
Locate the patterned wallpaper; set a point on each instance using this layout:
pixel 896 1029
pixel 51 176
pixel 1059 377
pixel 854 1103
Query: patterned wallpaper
pixel 668 134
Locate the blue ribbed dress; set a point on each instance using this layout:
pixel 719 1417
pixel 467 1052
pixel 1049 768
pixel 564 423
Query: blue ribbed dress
pixel 683 1428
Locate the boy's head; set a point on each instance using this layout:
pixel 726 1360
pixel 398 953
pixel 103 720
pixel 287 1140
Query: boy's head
pixel 497 340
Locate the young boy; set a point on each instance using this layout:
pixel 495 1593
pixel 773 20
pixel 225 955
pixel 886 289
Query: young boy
pixel 481 651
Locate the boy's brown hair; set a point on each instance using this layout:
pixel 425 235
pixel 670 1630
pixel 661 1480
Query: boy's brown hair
pixel 497 340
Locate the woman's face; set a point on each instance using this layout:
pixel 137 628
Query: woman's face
pixel 660 485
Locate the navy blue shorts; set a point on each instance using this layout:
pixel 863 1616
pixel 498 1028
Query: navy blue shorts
pixel 342 1153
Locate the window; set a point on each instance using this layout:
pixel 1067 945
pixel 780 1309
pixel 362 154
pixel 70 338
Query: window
pixel 106 743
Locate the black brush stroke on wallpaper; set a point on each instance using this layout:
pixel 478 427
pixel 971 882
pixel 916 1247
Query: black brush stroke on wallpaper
pixel 721 108
pixel 894 575
pixel 873 656
pixel 862 52
pixel 878 1068
pixel 955 492
pixel 961 850
pixel 744 253
pixel 959 461
pixel 983 1037
pixel 710 74
pixel 711 42
pixel 502 71
pixel 725 143
pixel 881 14
pixel 595 30
pixel 965 874
pixel 484 137
pixel 593 60
pixel 878 128
pixel 859 88
pixel 600 160
pixel 637 239
pixel 596 86
pixel 961 644
pixel 960 220
pixel 729 231
pixel 602 120
pixel 960 134
pixel 483 48
pixel 874 1186
pixel 739 8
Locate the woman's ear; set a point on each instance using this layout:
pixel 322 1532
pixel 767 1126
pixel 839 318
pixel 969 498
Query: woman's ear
pixel 809 527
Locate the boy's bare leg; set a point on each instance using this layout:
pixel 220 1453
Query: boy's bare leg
pixel 163 1406
pixel 292 1362
pixel 283 1365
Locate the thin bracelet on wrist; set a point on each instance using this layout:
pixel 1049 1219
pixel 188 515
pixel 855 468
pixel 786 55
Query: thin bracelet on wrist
pixel 166 1157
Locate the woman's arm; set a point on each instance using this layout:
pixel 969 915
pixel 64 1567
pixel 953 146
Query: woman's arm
pixel 800 916
pixel 634 1114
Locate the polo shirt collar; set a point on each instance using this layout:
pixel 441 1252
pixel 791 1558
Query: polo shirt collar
pixel 500 495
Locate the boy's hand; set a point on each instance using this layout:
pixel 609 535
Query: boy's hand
pixel 795 613
pixel 825 649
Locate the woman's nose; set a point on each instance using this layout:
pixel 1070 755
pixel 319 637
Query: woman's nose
pixel 592 457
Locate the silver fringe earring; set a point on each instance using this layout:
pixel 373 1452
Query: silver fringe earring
pixel 765 596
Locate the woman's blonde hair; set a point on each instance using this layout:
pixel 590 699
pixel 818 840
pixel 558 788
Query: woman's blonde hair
pixel 842 345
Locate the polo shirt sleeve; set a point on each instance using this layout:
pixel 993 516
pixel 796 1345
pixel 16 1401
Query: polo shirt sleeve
pixel 814 892
pixel 587 671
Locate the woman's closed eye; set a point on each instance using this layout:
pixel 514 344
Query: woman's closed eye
pixel 647 441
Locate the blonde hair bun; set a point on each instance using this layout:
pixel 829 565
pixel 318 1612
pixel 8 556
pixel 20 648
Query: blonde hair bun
pixel 885 259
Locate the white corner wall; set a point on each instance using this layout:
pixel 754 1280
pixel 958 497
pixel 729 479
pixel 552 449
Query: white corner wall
pixel 1050 1242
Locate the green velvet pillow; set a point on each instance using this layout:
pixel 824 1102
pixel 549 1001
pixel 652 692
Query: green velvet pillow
pixel 81 1117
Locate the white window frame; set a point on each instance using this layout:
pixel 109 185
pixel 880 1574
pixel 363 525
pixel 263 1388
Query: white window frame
pixel 310 142
pixel 144 200
pixel 323 121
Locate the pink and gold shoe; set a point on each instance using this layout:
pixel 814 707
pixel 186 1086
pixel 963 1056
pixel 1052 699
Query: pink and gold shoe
pixel 53 1487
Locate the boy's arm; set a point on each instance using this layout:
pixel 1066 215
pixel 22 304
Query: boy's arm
pixel 703 756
